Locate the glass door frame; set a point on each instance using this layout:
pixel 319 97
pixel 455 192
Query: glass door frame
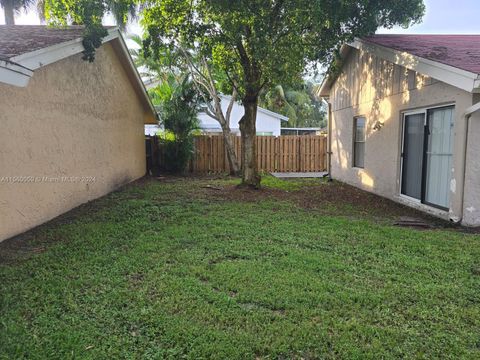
pixel 425 112
pixel 402 151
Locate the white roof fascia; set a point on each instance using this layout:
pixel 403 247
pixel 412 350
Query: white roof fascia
pixel 13 74
pixel 328 80
pixel 472 109
pixel 451 75
pixel 272 113
pixel 462 79
pixel 265 111
pixel 38 58
pixel 134 69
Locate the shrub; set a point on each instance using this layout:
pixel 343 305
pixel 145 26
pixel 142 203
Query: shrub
pixel 179 116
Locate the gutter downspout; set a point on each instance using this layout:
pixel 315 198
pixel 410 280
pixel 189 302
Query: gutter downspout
pixel 468 113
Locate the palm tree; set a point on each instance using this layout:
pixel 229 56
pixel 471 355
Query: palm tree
pixel 160 67
pixel 120 10
pixel 298 103
pixel 11 7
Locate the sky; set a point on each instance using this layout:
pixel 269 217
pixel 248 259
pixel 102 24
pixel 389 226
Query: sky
pixel 445 17
pixel 442 17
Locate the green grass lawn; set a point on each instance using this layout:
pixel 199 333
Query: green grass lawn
pixel 198 269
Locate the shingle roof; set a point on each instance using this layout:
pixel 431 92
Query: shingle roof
pixel 460 51
pixel 20 39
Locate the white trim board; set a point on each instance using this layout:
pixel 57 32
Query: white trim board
pixel 14 74
pixel 42 57
pixel 133 68
pixel 265 111
pixel 19 69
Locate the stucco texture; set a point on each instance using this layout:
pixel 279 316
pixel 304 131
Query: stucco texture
pixel 78 120
pixel 381 91
pixel 471 214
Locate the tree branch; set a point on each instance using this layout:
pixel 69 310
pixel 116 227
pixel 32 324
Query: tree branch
pixel 230 105
pixel 209 113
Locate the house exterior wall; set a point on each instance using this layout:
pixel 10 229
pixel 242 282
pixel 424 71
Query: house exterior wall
pixel 265 122
pixel 75 120
pixel 381 91
pixel 471 206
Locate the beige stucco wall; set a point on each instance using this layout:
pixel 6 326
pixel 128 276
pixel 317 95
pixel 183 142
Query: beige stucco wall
pixel 471 208
pixel 381 91
pixel 74 119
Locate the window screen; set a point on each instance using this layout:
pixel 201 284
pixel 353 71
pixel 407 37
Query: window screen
pixel 359 142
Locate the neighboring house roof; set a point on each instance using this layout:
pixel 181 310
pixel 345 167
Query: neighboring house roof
pixel 26 48
pixel 453 59
pixel 262 110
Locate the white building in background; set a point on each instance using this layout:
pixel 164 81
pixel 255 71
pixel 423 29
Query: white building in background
pixel 268 122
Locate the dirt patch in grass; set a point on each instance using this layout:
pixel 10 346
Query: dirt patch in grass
pixel 329 198
pixel 196 268
pixel 326 198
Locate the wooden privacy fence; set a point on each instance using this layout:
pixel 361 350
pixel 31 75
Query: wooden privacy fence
pixel 274 154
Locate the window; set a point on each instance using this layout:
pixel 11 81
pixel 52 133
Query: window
pixel 264 133
pixel 359 142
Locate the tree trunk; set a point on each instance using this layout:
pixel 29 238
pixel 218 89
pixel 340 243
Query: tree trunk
pixel 248 130
pixel 231 155
pixel 9 13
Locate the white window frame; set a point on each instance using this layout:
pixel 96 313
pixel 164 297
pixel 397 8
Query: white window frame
pixel 405 113
pixel 355 118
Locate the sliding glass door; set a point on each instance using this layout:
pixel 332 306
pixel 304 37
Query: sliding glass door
pixel 414 136
pixel 427 156
pixel 439 156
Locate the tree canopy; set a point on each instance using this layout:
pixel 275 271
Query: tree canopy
pixel 256 43
pixel 298 102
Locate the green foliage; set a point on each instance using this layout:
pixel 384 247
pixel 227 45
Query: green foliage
pixel 256 43
pixel 89 13
pixel 272 182
pixel 161 67
pixel 171 270
pixel 262 43
pixel 85 12
pixel 179 116
pixel 298 102
pixel 259 43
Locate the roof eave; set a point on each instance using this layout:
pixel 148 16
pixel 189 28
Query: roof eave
pixel 263 110
pixel 329 80
pixel 29 62
pixel 45 56
pixel 138 79
pixel 459 78
pixel 14 74
pixel 325 87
